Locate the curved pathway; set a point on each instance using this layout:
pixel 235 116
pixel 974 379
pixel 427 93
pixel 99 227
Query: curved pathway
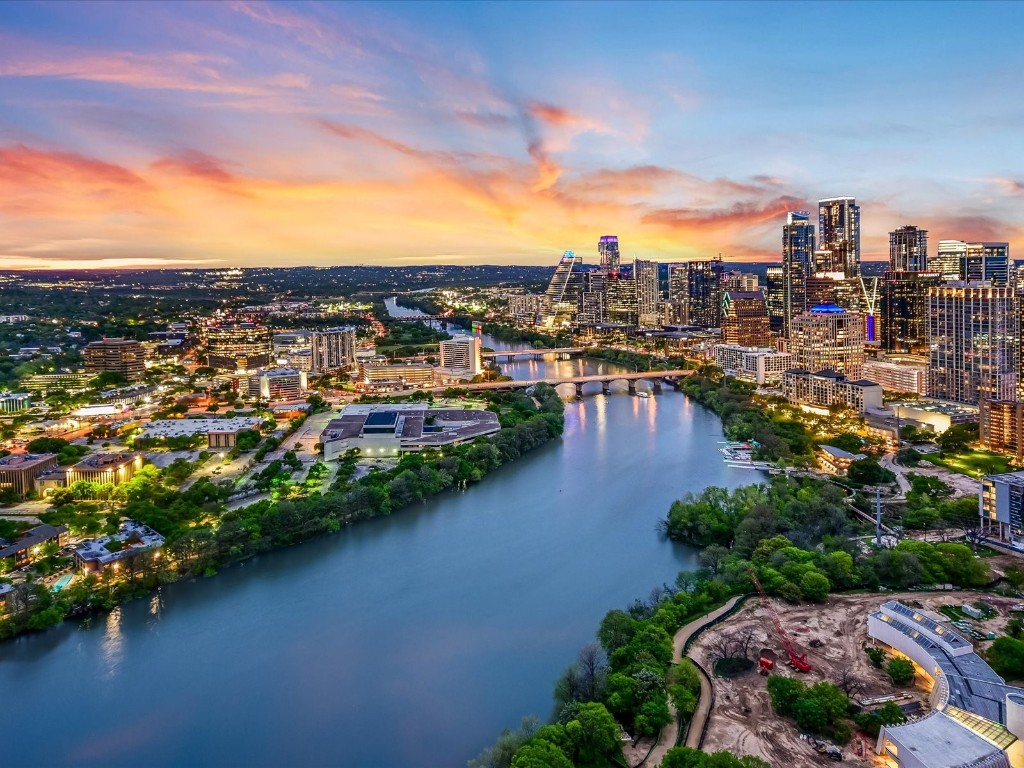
pixel 670 732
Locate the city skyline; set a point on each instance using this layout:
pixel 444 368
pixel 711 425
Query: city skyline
pixel 252 134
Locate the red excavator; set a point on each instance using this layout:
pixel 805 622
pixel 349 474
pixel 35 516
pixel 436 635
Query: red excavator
pixel 797 661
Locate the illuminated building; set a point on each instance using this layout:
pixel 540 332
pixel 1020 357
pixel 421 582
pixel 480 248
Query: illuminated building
pixel 594 298
pixel 462 354
pixel 333 349
pixel 986 261
pixel 908 249
pixel 12 402
pixel 608 250
pixel 949 260
pixel 898 374
pixel 825 389
pixel 23 551
pixel 19 471
pixel 398 376
pixel 1001 425
pixel 905 310
pixel 704 293
pixel 524 307
pixel 827 337
pixel 775 297
pixel 124 356
pixel 745 319
pixel 623 305
pixel 115 468
pixel 563 293
pixel 797 253
pixel 763 365
pixel 238 347
pixel 839 234
pixel 648 294
pixel 974 342
pixel 678 288
pixel 275 384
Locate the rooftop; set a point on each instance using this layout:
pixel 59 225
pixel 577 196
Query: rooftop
pixel 106 461
pixel 188 427
pixel 939 741
pixel 132 536
pixel 38 535
pixel 20 461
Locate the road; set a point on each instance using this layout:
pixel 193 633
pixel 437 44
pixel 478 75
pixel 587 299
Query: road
pixel 670 732
pixel 889 462
pixel 675 373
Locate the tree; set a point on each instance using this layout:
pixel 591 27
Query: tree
pixel 901 671
pixel 1007 657
pixel 47 445
pixel 540 754
pixel 876 655
pixel 815 586
pixel 848 683
pixel 616 630
pixel 958 437
pixel 869 472
pixel 784 693
pixel 594 735
pixel 810 716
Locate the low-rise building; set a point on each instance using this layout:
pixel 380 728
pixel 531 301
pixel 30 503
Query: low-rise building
pixel 276 384
pixel 898 374
pixel 1001 505
pixel 20 470
pixel 13 402
pixel 71 381
pixel 399 376
pixel 393 429
pixel 113 468
pixel 936 415
pixel 220 433
pixel 132 538
pixel 763 365
pixel 825 389
pixel 23 551
pixel 836 460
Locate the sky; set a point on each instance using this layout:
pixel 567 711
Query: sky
pixel 245 133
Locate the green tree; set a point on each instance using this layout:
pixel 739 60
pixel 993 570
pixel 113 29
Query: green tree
pixel 1007 657
pixel 540 753
pixel 784 693
pixel 901 671
pixel 810 716
pixel 815 586
pixel 958 437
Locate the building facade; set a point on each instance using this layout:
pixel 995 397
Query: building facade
pixel 12 402
pixel 762 365
pixel 974 342
pixel 798 248
pixel 608 251
pixel 563 292
pixel 986 261
pixel 18 472
pixel 826 389
pixel 276 384
pixel 124 356
pixel 908 249
pixel 745 320
pixel 898 375
pixel 648 294
pixel 333 350
pixel 704 293
pixel 904 310
pixel 1001 427
pixel 462 353
pixel 839 234
pixel 238 346
pixel 114 468
pixel 827 337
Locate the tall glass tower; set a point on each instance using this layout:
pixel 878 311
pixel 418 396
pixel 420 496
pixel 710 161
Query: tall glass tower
pixel 608 250
pixel 839 232
pixel 797 252
pixel 908 249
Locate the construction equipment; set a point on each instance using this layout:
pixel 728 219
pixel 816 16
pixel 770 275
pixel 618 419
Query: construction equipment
pixel 796 661
pixel 765 665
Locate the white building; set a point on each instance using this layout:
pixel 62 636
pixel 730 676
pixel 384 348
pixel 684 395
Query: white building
pixel 276 384
pixel 334 349
pixel 12 402
pixel 828 388
pixel 898 374
pixel 764 365
pixel 462 354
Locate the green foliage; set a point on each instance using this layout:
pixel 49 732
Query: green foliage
pixel 900 671
pixel 872 722
pixel 869 472
pixel 246 440
pixel 814 586
pixel 1006 655
pixel 847 441
pixel 821 708
pixel 958 437
pixel 686 757
pixel 876 655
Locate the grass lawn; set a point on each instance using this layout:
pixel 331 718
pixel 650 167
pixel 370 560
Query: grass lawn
pixel 972 463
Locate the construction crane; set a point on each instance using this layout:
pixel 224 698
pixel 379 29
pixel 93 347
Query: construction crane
pixel 796 661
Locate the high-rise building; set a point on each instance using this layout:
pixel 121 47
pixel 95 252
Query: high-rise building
pixel 524 307
pixel 839 233
pixel 238 346
pixel 797 262
pixel 745 319
pixel 704 293
pixel 462 353
pixel 775 297
pixel 898 374
pixel 623 304
pixel 986 261
pixel 334 349
pixel 908 249
pixel 974 342
pixel 648 294
pixel 563 293
pixel 276 384
pixel 948 261
pixel 1001 427
pixel 828 338
pixel 124 356
pixel 608 250
pixel 593 307
pixel 740 281
pixel 905 310
pixel 678 291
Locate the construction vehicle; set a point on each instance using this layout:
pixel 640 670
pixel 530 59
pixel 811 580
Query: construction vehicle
pixel 796 660
pixel 765 665
pixel 830 751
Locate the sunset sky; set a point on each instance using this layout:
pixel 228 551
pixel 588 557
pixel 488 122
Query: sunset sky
pixel 248 133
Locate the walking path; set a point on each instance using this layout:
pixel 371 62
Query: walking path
pixel 670 732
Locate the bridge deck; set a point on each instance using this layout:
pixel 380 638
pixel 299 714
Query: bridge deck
pixel 554 381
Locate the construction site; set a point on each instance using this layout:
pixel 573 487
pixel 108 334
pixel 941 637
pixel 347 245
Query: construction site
pixel 827 640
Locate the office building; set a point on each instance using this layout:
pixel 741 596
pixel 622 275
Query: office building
pixel 462 354
pixel 827 337
pixel 678 291
pixel 839 235
pixel 623 306
pixel 19 471
pixel 948 261
pixel 797 260
pixel 648 294
pixel 740 281
pixel 333 350
pixel 114 468
pixel 704 293
pixel 12 402
pixel 896 374
pixel 986 261
pixel 593 307
pixel 762 365
pixel 908 249
pixel 1002 506
pixel 974 342
pixel 277 384
pixel 775 298
pixel 563 292
pixel 26 548
pixel 825 389
pixel 608 250
pixel 221 433
pixel 124 356
pixel 398 376
pixel 131 540
pixel 1001 427
pixel 238 346
pixel 904 310
pixel 745 319
pixel 524 308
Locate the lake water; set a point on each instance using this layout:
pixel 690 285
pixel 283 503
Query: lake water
pixel 406 641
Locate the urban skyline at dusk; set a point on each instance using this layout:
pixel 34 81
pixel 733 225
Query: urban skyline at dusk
pixel 244 133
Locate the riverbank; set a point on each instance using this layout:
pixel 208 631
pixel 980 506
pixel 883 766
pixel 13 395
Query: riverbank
pixel 245 532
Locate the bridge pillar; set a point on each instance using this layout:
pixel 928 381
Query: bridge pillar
pixel 579 389
pixel 605 387
pixel 632 386
pixel 657 385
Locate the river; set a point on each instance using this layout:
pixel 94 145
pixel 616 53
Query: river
pixel 406 641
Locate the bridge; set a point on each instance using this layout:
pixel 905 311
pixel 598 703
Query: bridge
pixel 415 318
pixel 655 378
pixel 533 354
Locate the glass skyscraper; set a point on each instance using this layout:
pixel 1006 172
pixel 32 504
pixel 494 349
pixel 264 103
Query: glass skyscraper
pixel 908 249
pixel 839 233
pixel 608 250
pixel 797 252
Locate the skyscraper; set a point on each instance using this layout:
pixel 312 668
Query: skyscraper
pixel 563 293
pixel 745 319
pixel 797 253
pixel 775 297
pixel 678 290
pixel 124 356
pixel 828 338
pixel 974 342
pixel 608 250
pixel 461 353
pixel 623 303
pixel 986 261
pixel 333 349
pixel 839 232
pixel 905 310
pixel 648 295
pixel 908 249
pixel 704 293
pixel 238 347
pixel 949 260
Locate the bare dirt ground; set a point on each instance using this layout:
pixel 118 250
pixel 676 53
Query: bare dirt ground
pixel 743 722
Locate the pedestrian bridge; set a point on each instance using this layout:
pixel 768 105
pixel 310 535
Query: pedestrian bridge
pixel 655 378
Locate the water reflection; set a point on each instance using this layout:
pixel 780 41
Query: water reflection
pixel 112 649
